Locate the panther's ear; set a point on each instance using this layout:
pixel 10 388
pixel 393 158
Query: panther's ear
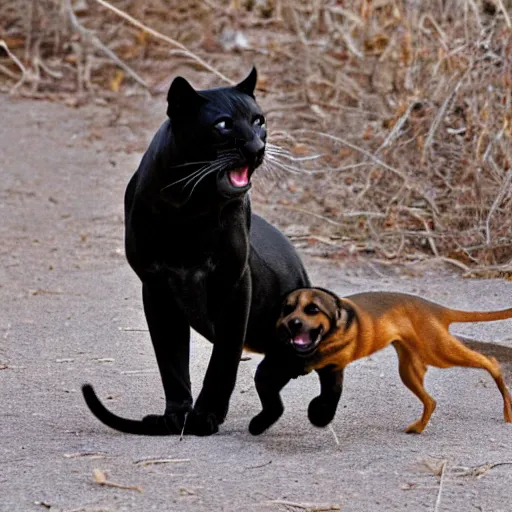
pixel 182 98
pixel 248 84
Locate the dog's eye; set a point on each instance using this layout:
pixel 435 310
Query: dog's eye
pixel 287 309
pixel 311 309
pixel 225 123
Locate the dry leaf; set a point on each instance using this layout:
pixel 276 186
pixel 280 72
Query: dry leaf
pixel 99 476
pixel 376 45
pixel 117 80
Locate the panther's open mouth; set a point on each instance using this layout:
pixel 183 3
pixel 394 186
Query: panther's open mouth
pixel 239 178
pixel 235 182
pixel 305 343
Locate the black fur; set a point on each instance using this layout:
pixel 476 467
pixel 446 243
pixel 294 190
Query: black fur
pixel 203 259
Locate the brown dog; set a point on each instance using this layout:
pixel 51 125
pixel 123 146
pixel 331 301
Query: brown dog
pixel 331 332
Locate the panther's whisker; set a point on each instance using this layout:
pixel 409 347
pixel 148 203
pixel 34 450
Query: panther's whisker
pixel 218 165
pixel 186 164
pixel 289 156
pixel 195 173
pixel 199 181
pixel 214 167
pixel 296 170
pixel 285 167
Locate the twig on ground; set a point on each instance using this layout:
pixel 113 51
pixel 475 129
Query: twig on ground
pixel 441 482
pixel 330 221
pixel 442 112
pixel 24 73
pixel 151 462
pixel 260 465
pixel 479 471
pixel 504 10
pixel 309 507
pixel 336 440
pixel 501 194
pixel 100 478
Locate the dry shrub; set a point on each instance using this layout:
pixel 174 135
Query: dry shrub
pixel 408 102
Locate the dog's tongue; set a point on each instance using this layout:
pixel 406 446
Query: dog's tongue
pixel 239 177
pixel 302 339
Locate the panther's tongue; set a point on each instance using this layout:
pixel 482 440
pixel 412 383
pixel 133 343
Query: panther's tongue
pixel 302 339
pixel 239 177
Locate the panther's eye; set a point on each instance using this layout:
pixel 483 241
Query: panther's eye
pixel 259 121
pixel 287 309
pixel 224 124
pixel 311 309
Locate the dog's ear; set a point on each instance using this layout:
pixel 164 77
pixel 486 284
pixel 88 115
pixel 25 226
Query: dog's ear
pixel 248 84
pixel 344 314
pixel 182 98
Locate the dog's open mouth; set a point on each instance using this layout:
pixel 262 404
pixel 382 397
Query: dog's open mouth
pixel 306 342
pixel 239 177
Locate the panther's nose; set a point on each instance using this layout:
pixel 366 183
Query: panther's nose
pixel 295 325
pixel 254 149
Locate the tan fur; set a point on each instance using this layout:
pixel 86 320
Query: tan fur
pixel 417 328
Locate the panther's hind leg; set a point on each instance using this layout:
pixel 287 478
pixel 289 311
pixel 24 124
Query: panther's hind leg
pixel 412 372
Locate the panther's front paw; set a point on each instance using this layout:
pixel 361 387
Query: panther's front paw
pixel 320 413
pixel 201 423
pixel 172 423
pixel 263 420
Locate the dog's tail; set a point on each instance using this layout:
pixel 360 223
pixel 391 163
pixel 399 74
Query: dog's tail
pixel 150 426
pixel 454 315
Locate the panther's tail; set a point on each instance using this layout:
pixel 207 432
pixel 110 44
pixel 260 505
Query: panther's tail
pixel 149 426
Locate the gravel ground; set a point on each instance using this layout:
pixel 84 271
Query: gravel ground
pixel 71 313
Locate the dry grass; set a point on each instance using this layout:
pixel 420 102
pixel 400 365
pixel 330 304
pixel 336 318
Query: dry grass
pixel 409 102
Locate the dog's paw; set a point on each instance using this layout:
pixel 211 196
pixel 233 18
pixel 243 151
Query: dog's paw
pixel 320 413
pixel 262 421
pixel 172 423
pixel 201 423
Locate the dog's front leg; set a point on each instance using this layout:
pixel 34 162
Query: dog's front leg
pixel 322 408
pixel 170 334
pixel 230 320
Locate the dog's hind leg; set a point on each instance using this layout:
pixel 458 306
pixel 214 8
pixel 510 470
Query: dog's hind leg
pixel 457 354
pixel 412 372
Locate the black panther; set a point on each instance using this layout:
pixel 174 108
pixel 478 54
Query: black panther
pixel 205 261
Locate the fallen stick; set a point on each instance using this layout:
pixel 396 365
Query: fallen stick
pixel 24 73
pixel 441 482
pixel 100 478
pixel 310 507
pixel 149 462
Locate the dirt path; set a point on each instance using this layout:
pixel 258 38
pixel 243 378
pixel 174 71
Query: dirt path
pixel 71 313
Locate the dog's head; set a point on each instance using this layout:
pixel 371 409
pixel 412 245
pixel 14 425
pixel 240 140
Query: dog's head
pixel 309 315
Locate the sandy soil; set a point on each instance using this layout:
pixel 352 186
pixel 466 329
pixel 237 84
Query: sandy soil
pixel 71 313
